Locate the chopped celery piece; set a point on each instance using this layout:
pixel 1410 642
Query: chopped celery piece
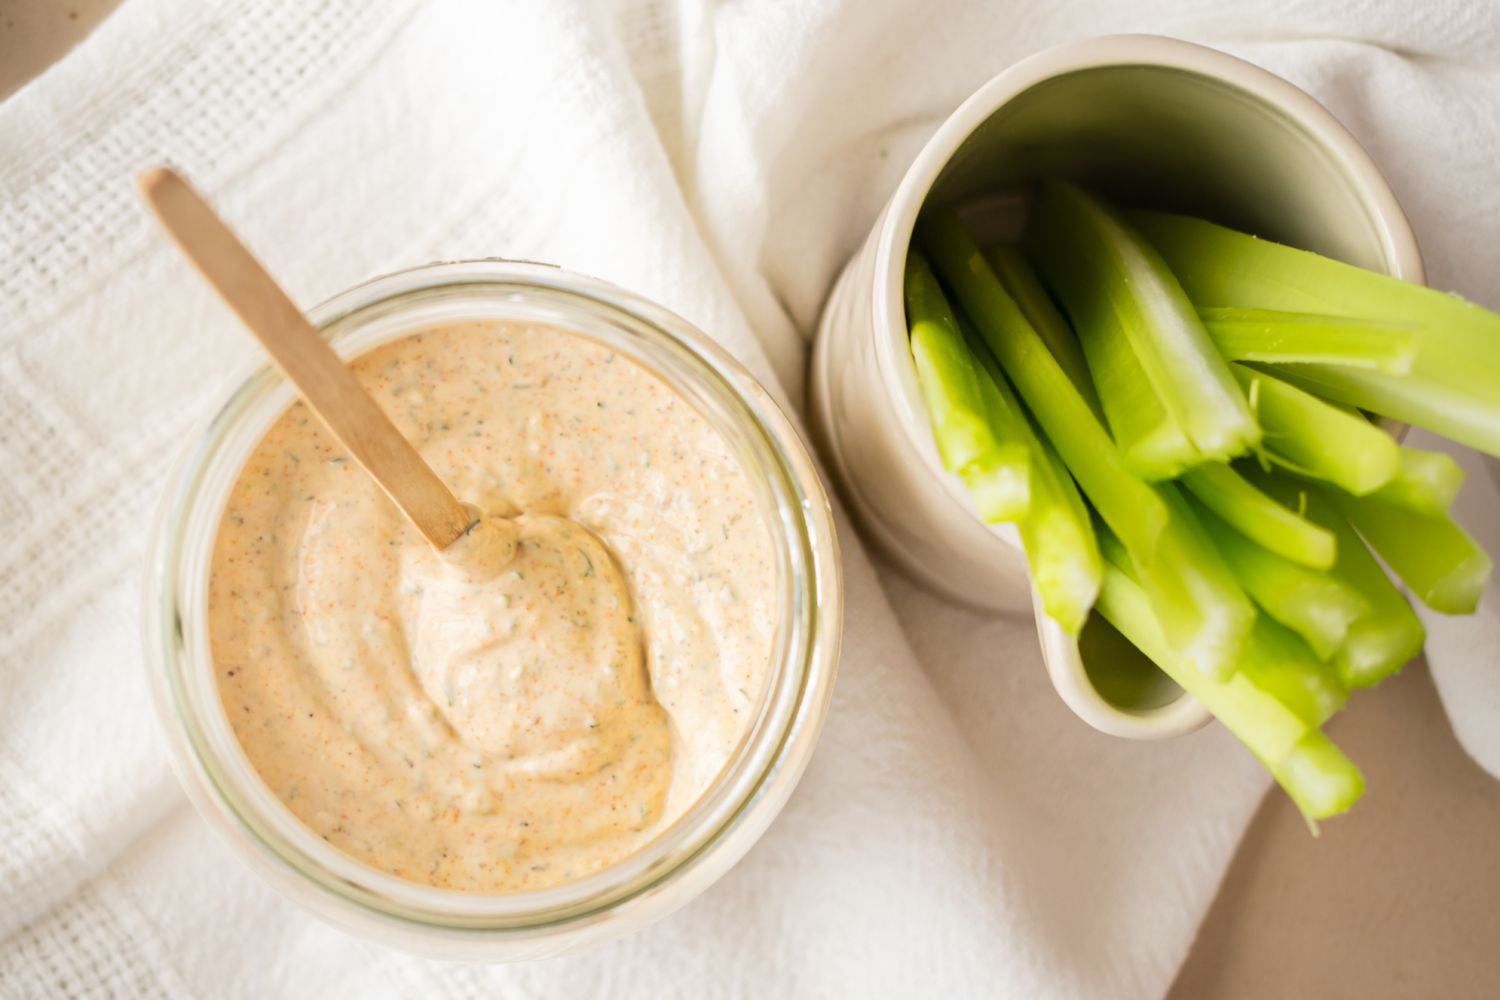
pixel 1271 730
pixel 1293 751
pixel 1436 558
pixel 1426 482
pixel 1262 723
pixel 1060 550
pixel 1218 266
pixel 1319 777
pixel 1383 639
pixel 1279 663
pixel 1252 513
pixel 1308 338
pixel 1274 658
pixel 945 372
pixel 1316 605
pixel 1112 282
pixel 1127 504
pixel 999 483
pixel 996 473
pixel 1154 444
pixel 1202 609
pixel 1020 280
pixel 1468 417
pixel 1317 438
pixel 1057 532
pixel 1450 389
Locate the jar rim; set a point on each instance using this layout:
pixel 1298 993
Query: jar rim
pixel 758 774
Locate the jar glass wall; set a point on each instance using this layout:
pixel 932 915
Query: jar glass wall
pixel 686 857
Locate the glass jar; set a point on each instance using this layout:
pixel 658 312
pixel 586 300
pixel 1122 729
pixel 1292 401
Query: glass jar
pixel 685 858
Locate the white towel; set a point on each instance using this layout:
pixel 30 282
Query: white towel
pixel 958 833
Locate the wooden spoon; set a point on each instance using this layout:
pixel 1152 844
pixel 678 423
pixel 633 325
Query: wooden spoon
pixel 304 357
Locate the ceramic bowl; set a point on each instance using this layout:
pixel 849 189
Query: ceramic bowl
pixel 1149 121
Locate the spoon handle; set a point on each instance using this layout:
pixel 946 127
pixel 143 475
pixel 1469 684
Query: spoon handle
pixel 302 354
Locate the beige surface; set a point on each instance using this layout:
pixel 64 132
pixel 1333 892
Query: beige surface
pixel 36 33
pixel 1400 899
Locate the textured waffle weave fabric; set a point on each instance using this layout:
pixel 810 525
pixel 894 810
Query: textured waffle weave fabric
pixel 958 832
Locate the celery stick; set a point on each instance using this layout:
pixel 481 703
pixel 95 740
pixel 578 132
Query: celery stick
pixel 1252 513
pixel 1308 338
pixel 1218 266
pixel 1154 444
pixel 1261 722
pixel 945 373
pixel 1279 663
pixel 1271 730
pixel 1317 606
pixel 996 473
pixel 1451 387
pixel 1436 558
pixel 1297 755
pixel 1202 609
pixel 1383 639
pixel 1470 417
pixel 1320 779
pixel 1063 559
pixel 1426 482
pixel 1274 658
pixel 1057 532
pixel 1317 438
pixel 1109 278
pixel 1020 280
pixel 1127 504
pixel 999 483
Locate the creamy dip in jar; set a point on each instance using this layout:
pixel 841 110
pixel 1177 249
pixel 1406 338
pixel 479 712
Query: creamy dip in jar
pixel 550 694
pixel 709 528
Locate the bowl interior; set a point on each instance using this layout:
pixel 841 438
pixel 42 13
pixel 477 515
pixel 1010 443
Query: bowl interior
pixel 1203 134
pixel 1176 139
pixel 1121 674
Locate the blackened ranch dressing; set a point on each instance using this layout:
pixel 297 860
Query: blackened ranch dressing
pixel 545 697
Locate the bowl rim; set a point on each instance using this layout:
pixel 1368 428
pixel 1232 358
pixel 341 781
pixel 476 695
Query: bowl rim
pixel 1398 246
